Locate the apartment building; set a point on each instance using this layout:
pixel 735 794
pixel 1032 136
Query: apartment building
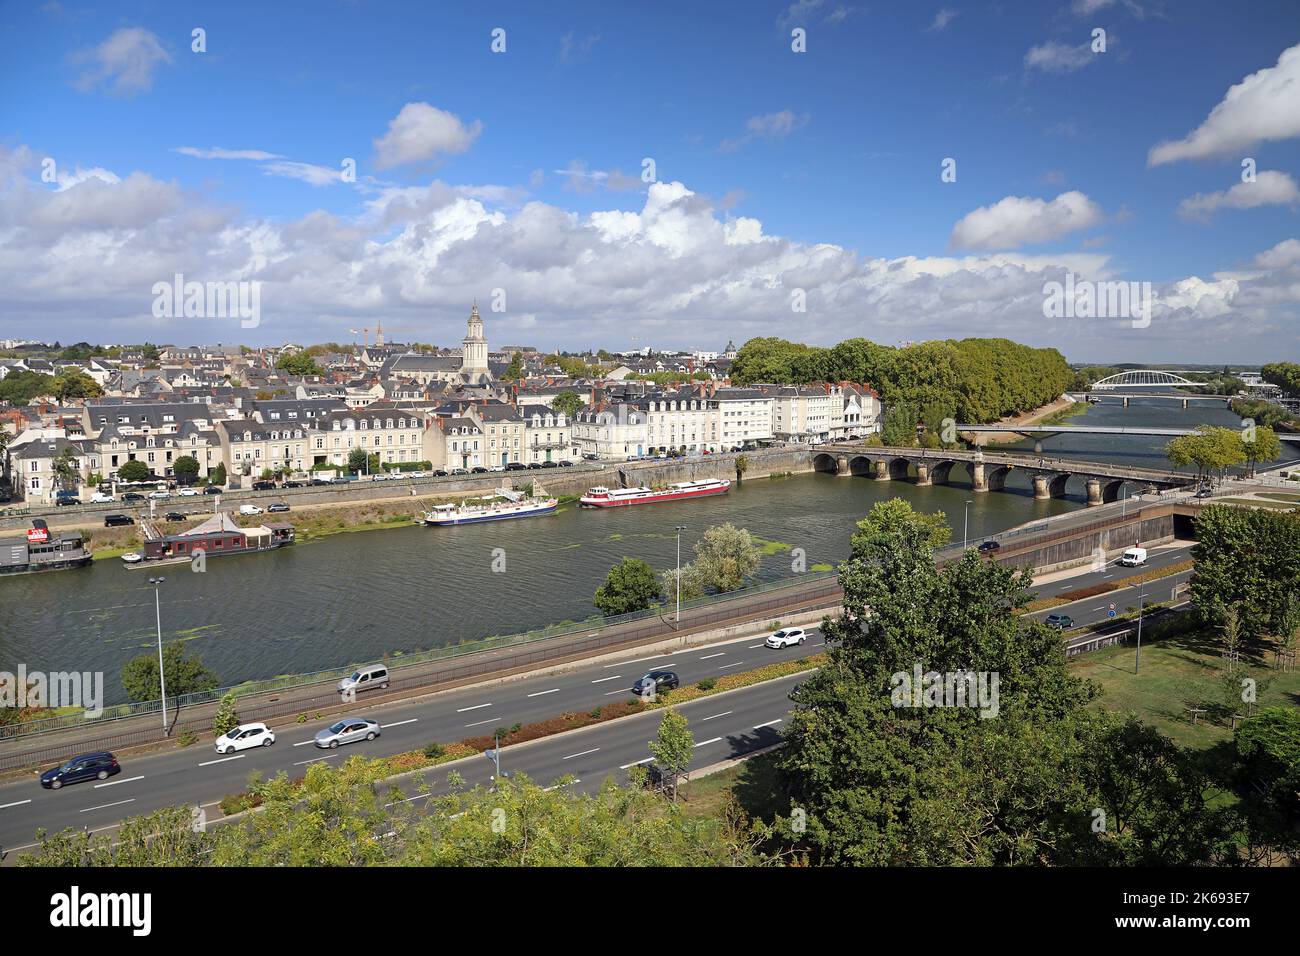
pixel 548 436
pixel 612 431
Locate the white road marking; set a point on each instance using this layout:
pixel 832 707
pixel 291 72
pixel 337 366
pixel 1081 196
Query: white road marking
pixel 399 723
pixel 480 723
pixel 601 680
pixel 107 805
pixel 304 743
pixel 315 759
pixel 818 644
pixel 114 783
pixel 709 656
pixel 752 646
pixel 543 693
pixel 462 710
pixel 711 740
pixel 16 804
pixel 639 660
pixel 613 692
pixel 635 763
pixel 209 763
pixel 583 754
pixel 770 723
pixel 725 666
pixel 723 714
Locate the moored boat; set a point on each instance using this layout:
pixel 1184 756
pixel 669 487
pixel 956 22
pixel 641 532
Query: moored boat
pixel 41 550
pixel 505 505
pixel 602 497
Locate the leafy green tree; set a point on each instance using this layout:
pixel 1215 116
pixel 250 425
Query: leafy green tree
pixel 568 404
pixel 299 363
pixel 186 469
pixel 217 476
pixel 165 837
pixel 71 385
pixel 889 519
pixel 673 748
pixel 1268 775
pixel 725 558
pixel 66 473
pixel 133 470
pixel 19 388
pixel 226 718
pixel 630 586
pixel 1265 446
pixel 515 370
pixel 1285 375
pixel 1247 558
pixel 186 674
pixel 742 466
pixel 1210 448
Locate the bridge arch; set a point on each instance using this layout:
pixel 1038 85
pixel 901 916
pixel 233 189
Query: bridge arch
pixel 1056 485
pixel 941 472
pixel 1141 378
pixel 826 463
pixel 996 477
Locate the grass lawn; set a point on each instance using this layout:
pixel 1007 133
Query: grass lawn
pixel 1280 495
pixel 1256 503
pixel 753 782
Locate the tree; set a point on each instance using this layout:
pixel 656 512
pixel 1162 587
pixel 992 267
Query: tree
pixel 725 558
pixel 893 517
pixel 1268 775
pixel 567 404
pixel 66 472
pixel 186 469
pixel 357 460
pixel 1247 558
pixel 299 363
pixel 1263 446
pixel 630 586
pixel 226 718
pixel 1285 375
pixel 133 470
pixel 217 476
pixel 515 370
pixel 19 388
pixel 742 466
pixel 73 384
pixel 673 748
pixel 1210 448
pixel 186 674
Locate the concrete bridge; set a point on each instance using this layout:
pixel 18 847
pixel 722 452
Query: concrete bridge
pixel 988 471
pixel 1038 433
pixel 1096 397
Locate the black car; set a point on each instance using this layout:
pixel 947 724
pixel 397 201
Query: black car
pixel 264 486
pixel 1062 622
pixel 96 766
pixel 175 516
pixel 478 470
pixel 663 680
pixel 566 464
pixel 550 464
pixel 440 473
pixel 133 496
pixel 295 484
pixel 533 466
pixel 516 466
pixel 319 481
pixel 67 501
pixel 277 508
pixel 988 547
pixel 113 521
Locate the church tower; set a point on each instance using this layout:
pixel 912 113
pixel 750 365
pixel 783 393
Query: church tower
pixel 474 354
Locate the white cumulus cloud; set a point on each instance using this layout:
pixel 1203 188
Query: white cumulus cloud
pixel 1270 188
pixel 1017 220
pixel 422 133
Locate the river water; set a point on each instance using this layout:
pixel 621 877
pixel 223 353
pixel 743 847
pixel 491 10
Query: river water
pixel 357 596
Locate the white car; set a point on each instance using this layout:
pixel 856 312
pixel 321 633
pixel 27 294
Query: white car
pixel 416 474
pixel 160 494
pixel 188 492
pixel 100 498
pixel 249 510
pixel 787 636
pixel 244 737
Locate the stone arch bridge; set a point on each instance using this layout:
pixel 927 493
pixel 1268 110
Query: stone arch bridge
pixel 988 471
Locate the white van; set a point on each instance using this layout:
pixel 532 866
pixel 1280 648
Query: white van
pixel 1133 557
pixel 364 678
pixel 249 510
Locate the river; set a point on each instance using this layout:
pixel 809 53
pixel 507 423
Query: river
pixel 357 596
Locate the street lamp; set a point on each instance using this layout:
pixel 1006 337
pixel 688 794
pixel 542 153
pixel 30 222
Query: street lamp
pixel 162 678
pixel 1142 594
pixel 965 523
pixel 680 529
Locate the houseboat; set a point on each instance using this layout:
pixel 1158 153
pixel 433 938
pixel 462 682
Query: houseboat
pixel 42 550
pixel 602 497
pixel 506 504
pixel 220 534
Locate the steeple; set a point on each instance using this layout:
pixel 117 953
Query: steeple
pixel 473 357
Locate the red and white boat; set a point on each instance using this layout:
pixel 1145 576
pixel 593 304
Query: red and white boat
pixel 602 497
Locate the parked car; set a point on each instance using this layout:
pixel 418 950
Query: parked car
pixel 516 466
pixel 534 465
pixel 417 474
pixel 497 468
pixel 132 496
pixel 347 731
pixel 188 492
pixel 787 636
pixel 60 501
pixel 249 510
pixel 295 484
pixel 566 464
pixel 160 494
pixel 989 547
pixel 244 737
pixel 365 678
pixel 93 766
pixel 550 464
pixel 378 477
pixel 99 498
pixel 113 521
pixel 319 481
pixel 278 508
pixel 662 680
pixel 460 471
pixel 440 473
pixel 175 516
pixel 264 486
pixel 590 456
pixel 1062 622
pixel 212 489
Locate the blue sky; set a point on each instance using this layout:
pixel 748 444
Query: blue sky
pixel 515 168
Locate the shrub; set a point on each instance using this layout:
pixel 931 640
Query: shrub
pixel 707 684
pixel 434 750
pixel 186 737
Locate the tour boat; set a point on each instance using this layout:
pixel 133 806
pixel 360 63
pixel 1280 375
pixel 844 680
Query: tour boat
pixel 602 497
pixel 505 505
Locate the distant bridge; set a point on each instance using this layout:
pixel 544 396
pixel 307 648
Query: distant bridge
pixel 1141 378
pixel 1146 396
pixel 988 471
pixel 1048 431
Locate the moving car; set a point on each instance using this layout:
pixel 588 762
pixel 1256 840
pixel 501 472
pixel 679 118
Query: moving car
pixel 113 521
pixel 93 766
pixel 245 736
pixel 787 636
pixel 188 492
pixel 249 510
pixel 988 547
pixel 349 730
pixel 278 508
pixel 365 678
pixel 1205 491
pixel 1132 557
pixel 212 489
pixel 662 680
pixel 1062 622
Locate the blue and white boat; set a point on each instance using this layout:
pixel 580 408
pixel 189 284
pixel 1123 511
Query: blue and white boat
pixel 506 504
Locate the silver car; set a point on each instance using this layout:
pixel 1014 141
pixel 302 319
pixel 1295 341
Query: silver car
pixel 347 731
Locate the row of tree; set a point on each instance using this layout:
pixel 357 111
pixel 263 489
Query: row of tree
pixel 1285 375
pixel 1214 449
pixel 971 380
pixel 19 388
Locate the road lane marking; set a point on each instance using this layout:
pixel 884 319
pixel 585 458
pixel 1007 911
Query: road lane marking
pixel 725 666
pixel 462 710
pixel 480 723
pixel 399 723
pixel 723 714
pixel 752 646
pixel 770 723
pixel 315 759
pixel 636 763
pixel 304 743
pixel 613 692
pixel 209 763
pixel 601 680
pixel 711 740
pixel 107 805
pixel 114 783
pixel 543 693
pixel 583 754
pixel 639 660
pixel 709 656
pixel 18 803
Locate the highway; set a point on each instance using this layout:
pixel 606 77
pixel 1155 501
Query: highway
pixel 724 725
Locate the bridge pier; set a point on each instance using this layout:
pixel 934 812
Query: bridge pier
pixel 882 470
pixel 922 473
pixel 1184 404
pixel 1041 490
pixel 1094 488
pixel 978 483
pixel 1038 446
pixel 842 467
pixel 1126 401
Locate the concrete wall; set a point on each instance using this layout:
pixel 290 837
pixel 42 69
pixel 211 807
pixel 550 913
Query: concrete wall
pixel 1078 549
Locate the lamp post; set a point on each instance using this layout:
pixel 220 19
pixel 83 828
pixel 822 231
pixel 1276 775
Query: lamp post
pixel 965 523
pixel 162 677
pixel 1137 661
pixel 680 529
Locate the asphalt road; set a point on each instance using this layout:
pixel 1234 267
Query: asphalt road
pixel 725 725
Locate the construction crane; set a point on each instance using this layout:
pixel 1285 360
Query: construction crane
pixel 379 333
